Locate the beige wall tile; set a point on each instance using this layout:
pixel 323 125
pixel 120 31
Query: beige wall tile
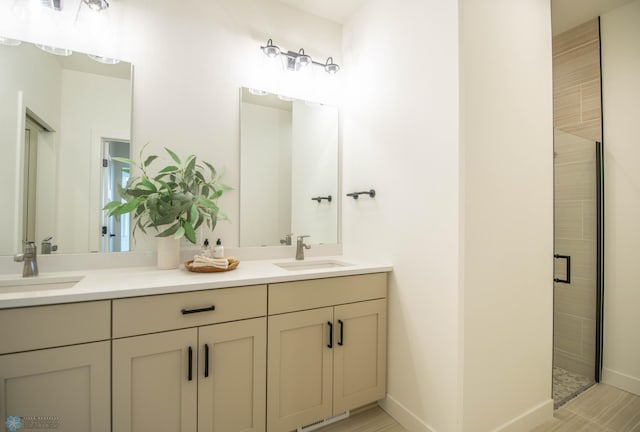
pixel 578 299
pixel 567 333
pixel 569 148
pixel 580 35
pixel 583 257
pixel 589 228
pixel 588 338
pixel 566 106
pixel 576 181
pixel 576 66
pixel 590 100
pixel 573 363
pixel 589 130
pixel 568 220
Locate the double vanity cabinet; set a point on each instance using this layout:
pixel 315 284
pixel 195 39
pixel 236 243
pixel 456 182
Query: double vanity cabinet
pixel 271 357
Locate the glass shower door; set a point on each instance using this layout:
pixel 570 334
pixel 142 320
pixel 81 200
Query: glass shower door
pixel 578 264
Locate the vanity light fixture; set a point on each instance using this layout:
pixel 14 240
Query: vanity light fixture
pixel 53 4
pixel 55 50
pixel 103 60
pixel 330 67
pixel 257 92
pixel 270 50
pixel 303 60
pixel 295 61
pixel 97 5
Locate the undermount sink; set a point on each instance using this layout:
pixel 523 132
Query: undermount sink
pixel 311 265
pixel 38 283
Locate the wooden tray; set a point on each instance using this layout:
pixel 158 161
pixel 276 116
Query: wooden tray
pixel 233 263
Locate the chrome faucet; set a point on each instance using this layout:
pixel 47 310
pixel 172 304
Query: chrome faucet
pixel 29 257
pixel 46 247
pixel 286 240
pixel 301 246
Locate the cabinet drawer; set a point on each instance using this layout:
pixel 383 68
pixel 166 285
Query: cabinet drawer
pixel 141 315
pixel 295 296
pixel 30 328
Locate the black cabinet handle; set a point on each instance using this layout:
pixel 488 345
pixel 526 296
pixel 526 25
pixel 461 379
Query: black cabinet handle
pixel 568 259
pixel 341 340
pixel 206 360
pixel 190 375
pixel 192 311
pixel 330 324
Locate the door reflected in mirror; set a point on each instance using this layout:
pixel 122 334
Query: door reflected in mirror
pixel 288 170
pixel 57 115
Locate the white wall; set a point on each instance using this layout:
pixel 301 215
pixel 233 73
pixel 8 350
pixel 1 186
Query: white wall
pixel 466 219
pixel 190 59
pixel 401 139
pixel 621 95
pixel 507 213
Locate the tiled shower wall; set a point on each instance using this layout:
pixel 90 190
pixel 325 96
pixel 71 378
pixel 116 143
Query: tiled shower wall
pixel 577 121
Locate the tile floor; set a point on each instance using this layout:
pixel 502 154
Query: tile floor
pixel 601 408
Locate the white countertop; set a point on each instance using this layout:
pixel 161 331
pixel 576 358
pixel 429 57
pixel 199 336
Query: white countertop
pixel 140 281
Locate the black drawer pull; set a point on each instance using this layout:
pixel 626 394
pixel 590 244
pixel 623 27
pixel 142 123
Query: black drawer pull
pixel 190 375
pixel 206 360
pixel 330 324
pixel 341 340
pixel 192 311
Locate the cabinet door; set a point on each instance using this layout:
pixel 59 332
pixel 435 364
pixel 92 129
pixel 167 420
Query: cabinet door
pixel 232 376
pixel 68 387
pixel 300 369
pixel 360 354
pixel 151 386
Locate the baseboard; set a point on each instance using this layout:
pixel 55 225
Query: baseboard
pixel 621 381
pixel 529 419
pixel 402 415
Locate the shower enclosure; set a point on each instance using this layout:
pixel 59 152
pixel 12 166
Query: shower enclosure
pixel 578 288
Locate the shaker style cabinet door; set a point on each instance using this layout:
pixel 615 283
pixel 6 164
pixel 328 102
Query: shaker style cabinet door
pixel 66 389
pixel 155 382
pixel 232 376
pixel 360 354
pixel 300 371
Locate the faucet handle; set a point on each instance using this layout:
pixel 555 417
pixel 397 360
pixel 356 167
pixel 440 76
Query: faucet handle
pixel 302 237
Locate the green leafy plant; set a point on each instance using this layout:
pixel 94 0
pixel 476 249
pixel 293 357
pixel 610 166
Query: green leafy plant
pixel 178 199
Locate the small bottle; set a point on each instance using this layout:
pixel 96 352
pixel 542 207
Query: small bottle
pixel 206 249
pixel 218 251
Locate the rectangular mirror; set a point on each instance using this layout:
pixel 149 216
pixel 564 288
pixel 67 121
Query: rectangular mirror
pixel 61 119
pixel 288 170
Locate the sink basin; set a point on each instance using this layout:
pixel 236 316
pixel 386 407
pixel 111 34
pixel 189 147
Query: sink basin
pixel 38 283
pixel 311 265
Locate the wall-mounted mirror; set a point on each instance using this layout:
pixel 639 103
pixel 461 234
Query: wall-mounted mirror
pixel 61 119
pixel 288 170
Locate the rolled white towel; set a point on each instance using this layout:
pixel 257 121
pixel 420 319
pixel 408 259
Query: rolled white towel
pixel 202 261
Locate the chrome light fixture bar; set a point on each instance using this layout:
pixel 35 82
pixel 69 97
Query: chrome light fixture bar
pixel 295 61
pixel 55 50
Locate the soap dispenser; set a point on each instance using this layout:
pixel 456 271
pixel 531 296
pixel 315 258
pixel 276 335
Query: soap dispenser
pixel 218 251
pixel 206 249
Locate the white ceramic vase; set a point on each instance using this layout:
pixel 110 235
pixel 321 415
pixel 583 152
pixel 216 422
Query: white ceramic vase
pixel 168 253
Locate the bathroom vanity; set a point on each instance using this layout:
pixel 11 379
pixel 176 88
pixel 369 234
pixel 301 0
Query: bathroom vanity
pixel 260 348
